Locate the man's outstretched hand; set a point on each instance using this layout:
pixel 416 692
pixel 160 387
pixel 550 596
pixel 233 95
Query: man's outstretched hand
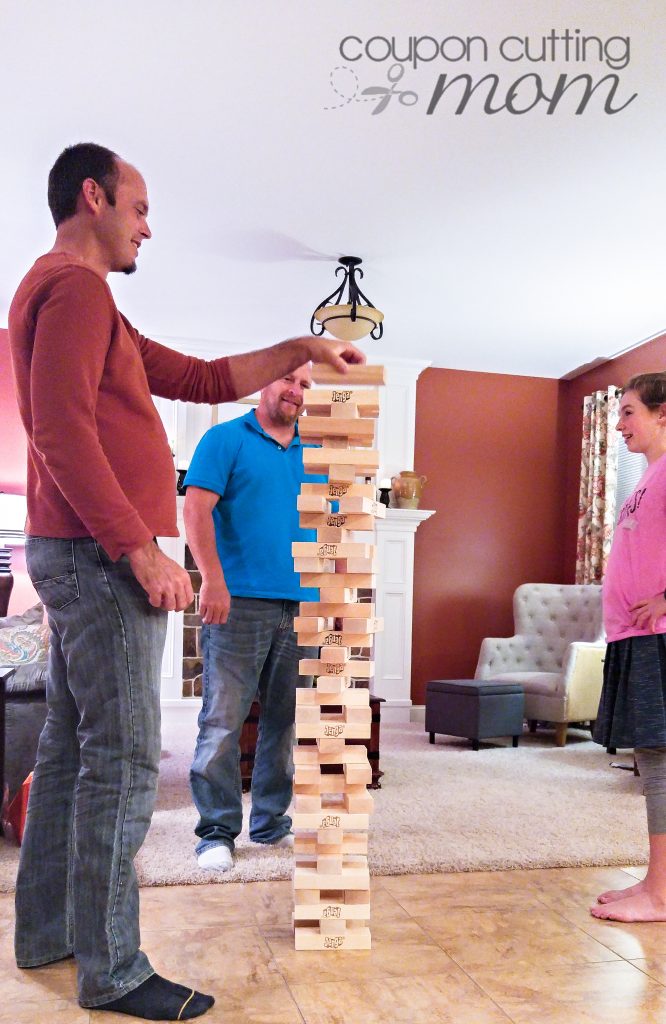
pixel 338 353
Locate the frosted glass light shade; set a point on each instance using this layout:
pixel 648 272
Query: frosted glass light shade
pixel 337 321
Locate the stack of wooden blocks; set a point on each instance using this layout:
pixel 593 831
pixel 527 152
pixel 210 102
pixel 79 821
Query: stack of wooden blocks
pixel 332 808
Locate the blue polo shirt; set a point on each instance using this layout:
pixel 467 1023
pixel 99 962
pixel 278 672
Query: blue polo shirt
pixel 256 518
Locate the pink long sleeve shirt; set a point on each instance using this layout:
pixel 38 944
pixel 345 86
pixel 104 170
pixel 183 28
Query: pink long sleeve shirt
pixel 637 563
pixel 99 462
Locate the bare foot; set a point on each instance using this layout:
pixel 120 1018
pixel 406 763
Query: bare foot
pixel 621 894
pixel 642 907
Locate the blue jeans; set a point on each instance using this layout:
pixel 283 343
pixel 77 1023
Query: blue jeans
pixel 96 774
pixel 254 654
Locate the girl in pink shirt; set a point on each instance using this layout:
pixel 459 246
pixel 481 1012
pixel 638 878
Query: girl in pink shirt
pixel 632 711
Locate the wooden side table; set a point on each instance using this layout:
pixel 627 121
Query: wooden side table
pixel 248 743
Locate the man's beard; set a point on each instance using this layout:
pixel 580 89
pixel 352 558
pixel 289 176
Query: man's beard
pixel 130 268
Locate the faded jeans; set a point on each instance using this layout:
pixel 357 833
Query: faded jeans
pixel 96 774
pixel 254 654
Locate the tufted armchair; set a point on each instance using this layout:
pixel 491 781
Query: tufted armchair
pixel 556 655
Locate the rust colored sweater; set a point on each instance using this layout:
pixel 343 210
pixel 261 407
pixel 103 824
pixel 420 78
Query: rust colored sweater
pixel 99 463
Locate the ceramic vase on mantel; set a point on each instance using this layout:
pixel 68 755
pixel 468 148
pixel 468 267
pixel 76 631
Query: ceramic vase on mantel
pixel 407 488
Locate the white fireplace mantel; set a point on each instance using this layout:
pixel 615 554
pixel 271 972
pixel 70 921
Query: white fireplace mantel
pixel 394 602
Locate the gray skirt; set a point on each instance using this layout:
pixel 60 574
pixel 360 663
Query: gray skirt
pixel 632 709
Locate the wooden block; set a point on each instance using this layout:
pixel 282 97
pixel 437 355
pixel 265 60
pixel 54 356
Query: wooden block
pixel 309 774
pixel 313 549
pixel 356 505
pixel 362 373
pixel 306 714
pixel 358 714
pixel 310 623
pixel 332 638
pixel 319 459
pixel 331 837
pixel 311 939
pixel 330 744
pixel 332 926
pixel 342 579
pixel 323 666
pixel 311 503
pixel 332 730
pixel 360 623
pixel 358 774
pixel 335 426
pixel 330 686
pixel 333 492
pixel 334 442
pixel 333 535
pixel 354 697
pixel 335 655
pixel 341 412
pixel 307 805
pixel 349 754
pixel 309 897
pixel 353 876
pixel 357 803
pixel 320 401
pixel 338 609
pixel 315 565
pixel 342 473
pixel 319 520
pixel 327 907
pixel 329 819
pixel 306 695
pixel 310 789
pixel 330 863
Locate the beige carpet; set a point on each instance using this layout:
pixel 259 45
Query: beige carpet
pixel 440 808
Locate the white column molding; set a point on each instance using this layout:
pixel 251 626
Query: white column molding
pixel 394 603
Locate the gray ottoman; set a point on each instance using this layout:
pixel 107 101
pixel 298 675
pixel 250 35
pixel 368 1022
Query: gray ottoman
pixel 475 708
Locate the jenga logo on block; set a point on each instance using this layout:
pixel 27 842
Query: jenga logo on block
pixel 327 550
pixel 333 941
pixel 330 821
pixel 341 396
pixel 332 912
pixel 337 520
pixel 333 640
pixel 333 730
pixel 337 490
pixel 333 670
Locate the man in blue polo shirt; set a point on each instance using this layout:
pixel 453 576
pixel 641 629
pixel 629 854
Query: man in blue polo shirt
pixel 241 520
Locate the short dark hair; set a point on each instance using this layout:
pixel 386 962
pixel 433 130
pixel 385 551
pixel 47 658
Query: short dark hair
pixel 73 166
pixel 650 388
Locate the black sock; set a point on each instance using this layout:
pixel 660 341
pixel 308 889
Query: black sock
pixel 159 999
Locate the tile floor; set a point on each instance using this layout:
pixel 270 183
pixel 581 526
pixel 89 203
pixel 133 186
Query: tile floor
pixel 480 948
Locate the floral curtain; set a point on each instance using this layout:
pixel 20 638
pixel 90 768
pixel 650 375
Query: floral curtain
pixel 598 477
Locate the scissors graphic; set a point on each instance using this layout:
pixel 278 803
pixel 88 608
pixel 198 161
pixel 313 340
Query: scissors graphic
pixel 406 97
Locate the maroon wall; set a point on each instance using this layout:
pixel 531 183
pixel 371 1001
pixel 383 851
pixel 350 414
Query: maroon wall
pixel 490 447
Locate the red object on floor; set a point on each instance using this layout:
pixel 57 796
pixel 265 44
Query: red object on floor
pixel 14 815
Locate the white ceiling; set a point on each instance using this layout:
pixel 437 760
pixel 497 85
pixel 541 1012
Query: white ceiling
pixel 525 244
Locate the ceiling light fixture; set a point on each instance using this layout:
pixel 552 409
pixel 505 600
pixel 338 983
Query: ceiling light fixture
pixel 351 320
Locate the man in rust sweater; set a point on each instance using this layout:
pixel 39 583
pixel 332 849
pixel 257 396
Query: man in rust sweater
pixel 100 489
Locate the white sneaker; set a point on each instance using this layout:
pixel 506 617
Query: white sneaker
pixel 285 843
pixel 216 858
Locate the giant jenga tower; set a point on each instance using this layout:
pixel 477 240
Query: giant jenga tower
pixel 332 803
